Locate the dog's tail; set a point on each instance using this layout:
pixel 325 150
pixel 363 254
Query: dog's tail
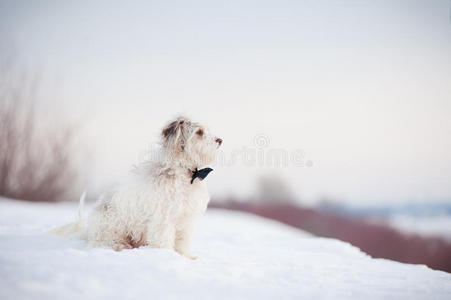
pixel 75 229
pixel 81 205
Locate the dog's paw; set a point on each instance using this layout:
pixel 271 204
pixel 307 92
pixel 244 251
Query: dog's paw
pixel 186 254
pixel 193 257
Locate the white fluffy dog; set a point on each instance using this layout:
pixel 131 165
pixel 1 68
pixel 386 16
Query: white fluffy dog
pixel 159 205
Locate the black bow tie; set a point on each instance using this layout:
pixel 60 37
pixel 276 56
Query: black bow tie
pixel 201 174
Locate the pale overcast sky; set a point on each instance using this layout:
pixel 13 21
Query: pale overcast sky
pixel 363 88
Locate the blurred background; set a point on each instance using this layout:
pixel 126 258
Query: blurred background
pixel 335 115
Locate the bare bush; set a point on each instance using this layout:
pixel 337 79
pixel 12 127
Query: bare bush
pixel 35 159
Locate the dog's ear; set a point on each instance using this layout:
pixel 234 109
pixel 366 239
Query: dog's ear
pixel 174 134
pixel 169 130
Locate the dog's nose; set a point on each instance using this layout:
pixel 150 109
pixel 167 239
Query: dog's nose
pixel 219 141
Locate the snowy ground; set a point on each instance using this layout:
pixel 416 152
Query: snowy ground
pixel 240 257
pixel 437 226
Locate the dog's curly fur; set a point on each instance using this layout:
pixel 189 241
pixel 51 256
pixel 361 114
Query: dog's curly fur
pixel 158 205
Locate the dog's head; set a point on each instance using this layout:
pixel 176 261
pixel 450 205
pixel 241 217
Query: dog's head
pixel 189 143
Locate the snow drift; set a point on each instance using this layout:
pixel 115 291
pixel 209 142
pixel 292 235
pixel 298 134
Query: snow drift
pixel 240 256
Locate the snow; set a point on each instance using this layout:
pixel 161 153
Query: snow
pixel 435 226
pixel 240 257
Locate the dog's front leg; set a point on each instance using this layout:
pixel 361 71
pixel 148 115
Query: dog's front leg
pixel 183 238
pixel 161 236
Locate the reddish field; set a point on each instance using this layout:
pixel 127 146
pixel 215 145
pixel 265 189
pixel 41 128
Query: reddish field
pixel 379 241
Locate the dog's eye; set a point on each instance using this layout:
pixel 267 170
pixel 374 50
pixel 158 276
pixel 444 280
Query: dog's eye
pixel 200 132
